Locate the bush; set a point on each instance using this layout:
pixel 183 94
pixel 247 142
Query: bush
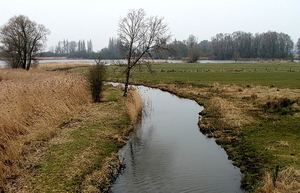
pixel 96 78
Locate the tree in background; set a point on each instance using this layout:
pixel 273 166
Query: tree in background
pixel 205 47
pixel 21 40
pixel 298 46
pixel 73 49
pixel 90 46
pixel 191 41
pixel 266 45
pixel 180 50
pixel 194 53
pixel 113 51
pixel 140 36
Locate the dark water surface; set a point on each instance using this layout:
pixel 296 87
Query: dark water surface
pixel 169 154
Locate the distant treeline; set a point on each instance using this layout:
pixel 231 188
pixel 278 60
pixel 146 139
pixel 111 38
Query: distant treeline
pixel 72 49
pixel 238 45
pixel 221 47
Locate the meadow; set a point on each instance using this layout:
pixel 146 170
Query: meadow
pixel 264 74
pixel 252 109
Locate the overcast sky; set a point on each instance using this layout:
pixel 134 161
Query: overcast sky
pixel 98 19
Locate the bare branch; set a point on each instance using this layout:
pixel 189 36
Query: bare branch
pixel 140 36
pixel 21 39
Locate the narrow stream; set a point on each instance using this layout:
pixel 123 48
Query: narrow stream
pixel 169 154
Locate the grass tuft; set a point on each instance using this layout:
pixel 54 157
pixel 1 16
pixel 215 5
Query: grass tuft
pixel 285 180
pixel 280 105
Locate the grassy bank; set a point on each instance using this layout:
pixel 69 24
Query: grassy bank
pixel 53 139
pixel 253 114
pixel 31 103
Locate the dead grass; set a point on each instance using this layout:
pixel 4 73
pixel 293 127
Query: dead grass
pixel 31 103
pixel 134 105
pixel 230 113
pixel 286 180
pixel 51 66
pixel 82 156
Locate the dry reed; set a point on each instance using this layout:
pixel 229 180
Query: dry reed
pixel 31 103
pixel 57 65
pixel 287 180
pixel 134 105
pixel 230 113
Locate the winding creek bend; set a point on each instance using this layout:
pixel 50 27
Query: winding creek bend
pixel 169 154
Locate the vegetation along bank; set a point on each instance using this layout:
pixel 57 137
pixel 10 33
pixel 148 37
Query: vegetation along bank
pixel 253 112
pixel 54 139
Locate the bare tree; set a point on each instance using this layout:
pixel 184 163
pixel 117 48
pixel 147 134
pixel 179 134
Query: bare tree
pixel 140 36
pixel 194 53
pixel 21 39
pixel 191 41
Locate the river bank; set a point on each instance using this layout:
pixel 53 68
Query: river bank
pixel 62 141
pixel 167 153
pixel 257 126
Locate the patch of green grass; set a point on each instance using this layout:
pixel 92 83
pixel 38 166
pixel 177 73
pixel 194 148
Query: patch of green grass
pixel 276 66
pixel 265 74
pixel 274 79
pixel 112 94
pixel 83 149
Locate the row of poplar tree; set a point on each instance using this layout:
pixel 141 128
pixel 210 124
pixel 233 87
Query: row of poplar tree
pixel 81 49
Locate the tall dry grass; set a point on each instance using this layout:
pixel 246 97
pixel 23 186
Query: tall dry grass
pixel 32 104
pixel 57 65
pixel 286 180
pixel 134 105
pixel 230 113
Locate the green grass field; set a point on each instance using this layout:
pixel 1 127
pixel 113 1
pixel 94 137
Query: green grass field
pixel 281 75
pixel 276 66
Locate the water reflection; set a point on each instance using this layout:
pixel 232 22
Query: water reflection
pixel 169 154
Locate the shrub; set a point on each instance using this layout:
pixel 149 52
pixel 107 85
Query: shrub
pixel 96 78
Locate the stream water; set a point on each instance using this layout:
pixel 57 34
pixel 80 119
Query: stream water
pixel 169 154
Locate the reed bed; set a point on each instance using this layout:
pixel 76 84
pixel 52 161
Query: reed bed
pixel 51 66
pixel 134 105
pixel 32 104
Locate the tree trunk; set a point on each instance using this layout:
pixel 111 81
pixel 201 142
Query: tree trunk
pixel 28 64
pixel 126 82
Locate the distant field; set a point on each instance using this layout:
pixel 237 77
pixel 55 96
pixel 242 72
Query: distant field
pixel 277 66
pixel 281 75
